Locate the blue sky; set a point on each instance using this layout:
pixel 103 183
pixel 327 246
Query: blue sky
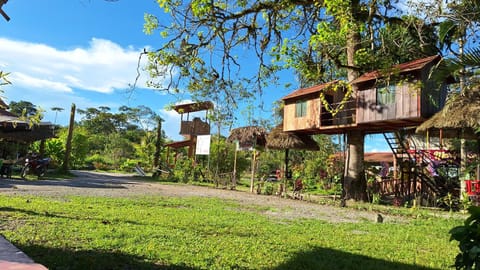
pixel 85 52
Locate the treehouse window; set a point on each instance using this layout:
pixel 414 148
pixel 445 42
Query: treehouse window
pixel 386 94
pixel 301 108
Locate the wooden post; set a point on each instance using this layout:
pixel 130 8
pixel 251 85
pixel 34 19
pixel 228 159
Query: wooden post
pixel 253 171
pixel 285 173
pixel 234 176
pixel 68 145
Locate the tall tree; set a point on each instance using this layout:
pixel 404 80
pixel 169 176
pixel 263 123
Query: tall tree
pixel 205 44
pixel 23 108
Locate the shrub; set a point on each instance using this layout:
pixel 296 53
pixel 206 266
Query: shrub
pixel 129 164
pixel 268 189
pixel 99 162
pixel 184 170
pixel 469 241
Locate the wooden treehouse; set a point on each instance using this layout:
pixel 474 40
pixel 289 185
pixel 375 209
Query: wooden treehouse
pixel 192 126
pixel 386 101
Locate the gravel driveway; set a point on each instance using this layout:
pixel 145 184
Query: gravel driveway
pixel 88 183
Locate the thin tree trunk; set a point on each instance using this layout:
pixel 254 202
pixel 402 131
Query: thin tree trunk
pixel 158 148
pixel 68 145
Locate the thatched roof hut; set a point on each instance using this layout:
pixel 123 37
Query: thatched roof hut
pixel 278 139
pixel 248 134
pixel 462 111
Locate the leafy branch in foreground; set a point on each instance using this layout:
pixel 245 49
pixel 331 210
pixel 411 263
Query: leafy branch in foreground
pixel 469 241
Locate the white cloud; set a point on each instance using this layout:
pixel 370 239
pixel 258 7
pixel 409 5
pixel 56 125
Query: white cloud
pixel 171 124
pixel 24 80
pixel 103 66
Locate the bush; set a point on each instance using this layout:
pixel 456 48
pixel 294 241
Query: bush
pixel 129 164
pixel 469 241
pixel 99 162
pixel 269 189
pixel 184 170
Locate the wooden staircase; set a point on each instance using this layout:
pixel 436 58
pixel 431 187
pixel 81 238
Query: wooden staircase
pixel 413 181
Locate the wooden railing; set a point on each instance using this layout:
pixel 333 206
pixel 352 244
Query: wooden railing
pixel 195 127
pixel 344 116
pixel 391 186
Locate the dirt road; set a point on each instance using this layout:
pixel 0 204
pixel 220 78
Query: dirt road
pixel 117 185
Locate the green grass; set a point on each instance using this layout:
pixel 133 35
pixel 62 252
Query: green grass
pixel 205 233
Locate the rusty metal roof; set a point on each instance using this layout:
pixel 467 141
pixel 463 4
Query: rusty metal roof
pixel 372 156
pixel 400 68
pixel 308 90
pixel 378 157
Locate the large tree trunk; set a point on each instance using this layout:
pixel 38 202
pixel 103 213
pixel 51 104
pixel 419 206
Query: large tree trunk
pixel 355 185
pixel 354 177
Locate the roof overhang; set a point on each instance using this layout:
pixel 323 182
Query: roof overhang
pixel 193 107
pixel 397 69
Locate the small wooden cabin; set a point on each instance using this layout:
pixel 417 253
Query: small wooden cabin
pixel 196 126
pixel 400 97
pixel 190 129
pixel 304 111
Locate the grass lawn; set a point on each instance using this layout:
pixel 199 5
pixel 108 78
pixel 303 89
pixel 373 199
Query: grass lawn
pixel 206 233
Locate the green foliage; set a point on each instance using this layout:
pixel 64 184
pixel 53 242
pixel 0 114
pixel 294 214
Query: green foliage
pixel 129 164
pixel 118 148
pixel 144 151
pixel 54 149
pixel 27 111
pixel 79 148
pixel 99 162
pixel 23 108
pixel 222 157
pixel 269 188
pixel 184 170
pixel 468 241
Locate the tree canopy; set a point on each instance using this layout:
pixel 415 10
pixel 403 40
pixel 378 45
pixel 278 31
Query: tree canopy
pixel 206 43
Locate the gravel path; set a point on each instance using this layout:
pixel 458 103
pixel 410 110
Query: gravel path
pixel 118 185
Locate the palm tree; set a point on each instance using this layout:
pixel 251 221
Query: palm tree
pixel 56 110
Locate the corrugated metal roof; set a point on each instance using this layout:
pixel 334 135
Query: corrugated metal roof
pixel 308 90
pixel 404 67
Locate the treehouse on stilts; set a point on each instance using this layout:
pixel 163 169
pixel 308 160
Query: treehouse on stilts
pixel 389 102
pixel 191 126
